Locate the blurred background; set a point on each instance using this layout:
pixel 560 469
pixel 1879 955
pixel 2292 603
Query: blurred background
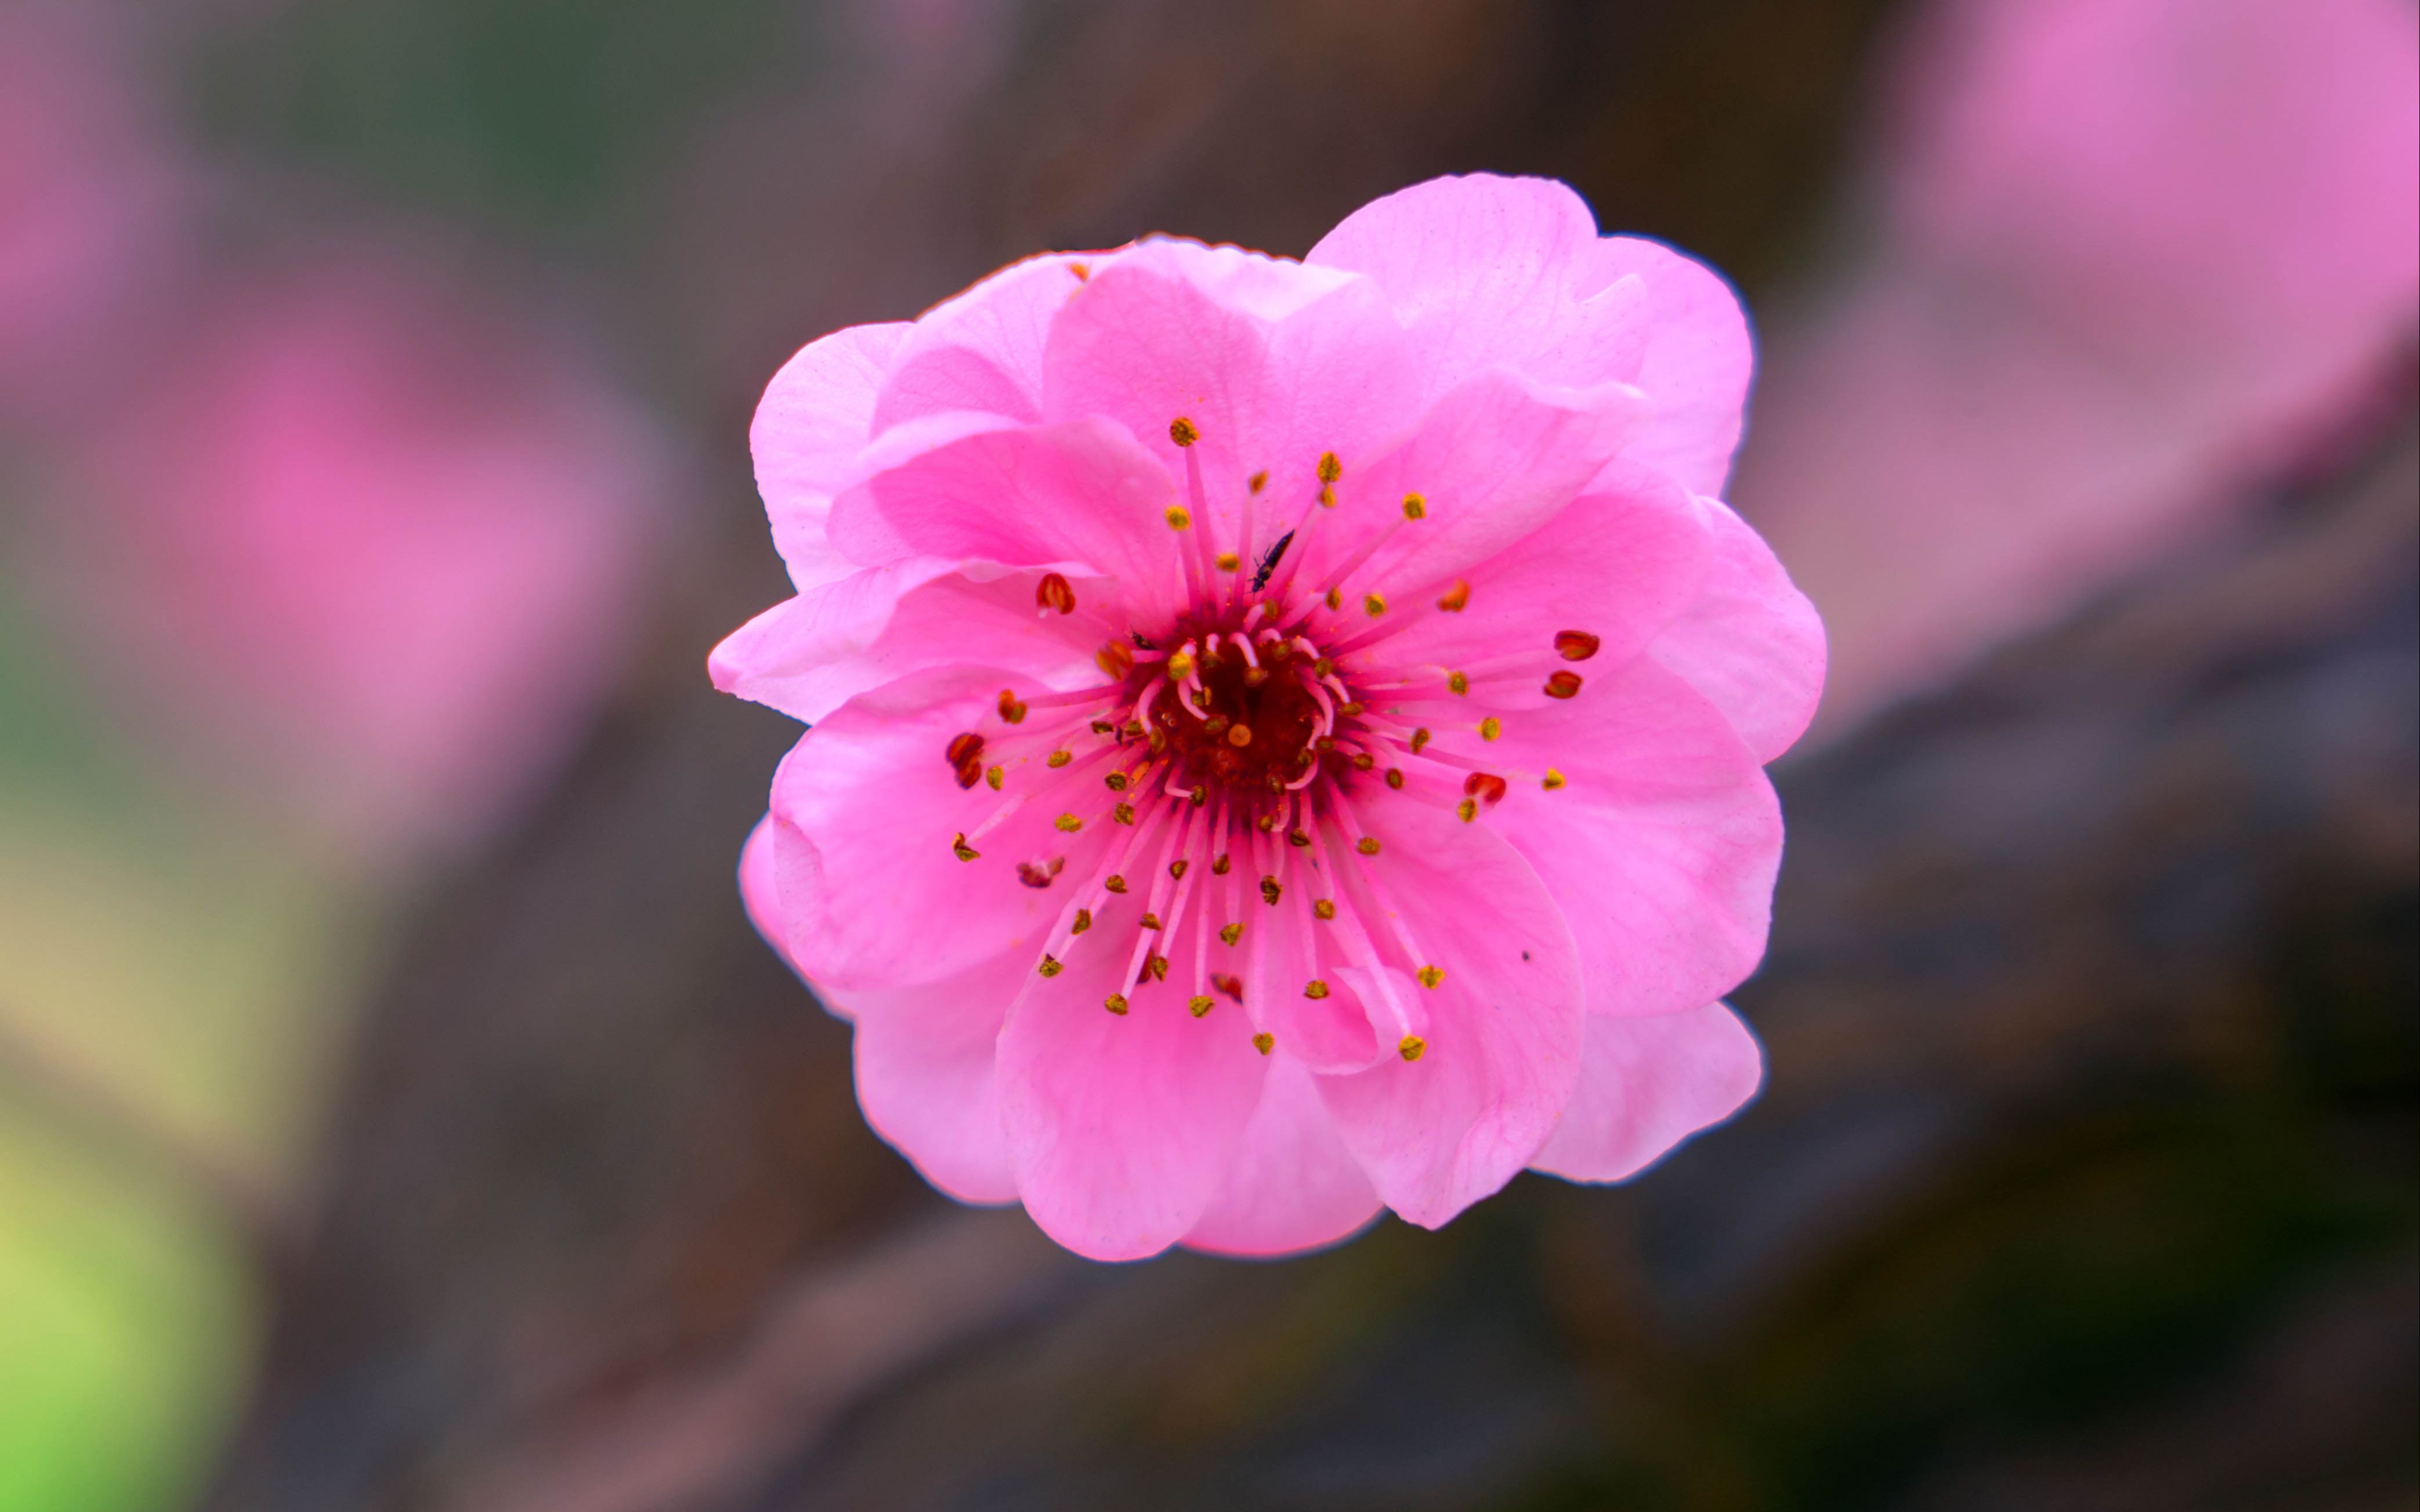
pixel 395 1111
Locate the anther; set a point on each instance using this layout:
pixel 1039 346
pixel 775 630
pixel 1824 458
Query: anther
pixel 1432 977
pixel 1083 270
pixel 1010 709
pixel 1239 736
pixel 1114 883
pixel 1300 839
pixel 1050 966
pixel 1363 761
pixel 1485 787
pixel 1321 666
pixel 1116 781
pixel 1052 592
pixel 1457 683
pixel 1057 759
pixel 1115 1003
pixel 1258 481
pixel 1151 921
pixel 1082 922
pixel 964 852
pixel 1270 890
pixel 1552 780
pixel 1564 685
pixel 1323 744
pixel 1067 823
pixel 1490 727
pixel 997 776
pixel 971 774
pixel 1575 644
pixel 1182 431
pixel 1456 599
pixel 1411 1047
pixel 1264 1041
pixel 1230 933
pixel 1374 603
pixel 1178 517
pixel 1198 1006
pixel 1115 659
pixel 1034 876
pixel 1421 738
pixel 1395 778
pixel 1123 813
pixel 1178 867
pixel 1325 908
pixel 1103 726
pixel 1220 864
pixel 1467 808
pixel 964 748
pixel 1229 562
pixel 1367 845
pixel 1215 725
pixel 1330 468
pixel 1335 598
pixel 1180 666
pixel 1415 507
pixel 1349 707
pixel 1155 967
pixel 1231 985
pixel 1314 989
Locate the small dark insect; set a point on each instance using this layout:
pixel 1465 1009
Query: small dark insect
pixel 1269 564
pixel 1142 640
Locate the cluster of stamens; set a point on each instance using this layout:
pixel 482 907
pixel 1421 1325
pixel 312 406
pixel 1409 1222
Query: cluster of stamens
pixel 1236 752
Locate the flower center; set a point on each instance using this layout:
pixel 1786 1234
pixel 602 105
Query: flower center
pixel 1253 716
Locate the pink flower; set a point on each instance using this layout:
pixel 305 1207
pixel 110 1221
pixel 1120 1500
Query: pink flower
pixel 1288 735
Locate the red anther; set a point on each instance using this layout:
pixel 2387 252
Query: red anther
pixel 964 748
pixel 1052 592
pixel 1042 876
pixel 1485 785
pixel 1575 644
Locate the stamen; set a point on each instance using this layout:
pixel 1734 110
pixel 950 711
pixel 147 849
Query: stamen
pixel 1182 431
pixel 1264 1041
pixel 1411 1047
pixel 1198 1005
pixel 964 852
pixel 1490 727
pixel 1054 592
pixel 1115 1003
pixel 1011 708
pixel 1552 780
pixel 1456 599
pixel 1564 685
pixel 1415 507
pixel 1576 644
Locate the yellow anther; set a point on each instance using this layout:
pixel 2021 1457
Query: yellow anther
pixel 1058 758
pixel 1458 683
pixel 1314 989
pixel 1325 908
pixel 1298 838
pixel 1258 481
pixel 1239 735
pixel 1432 977
pixel 1264 1041
pixel 1220 864
pixel 1454 600
pixel 1151 921
pixel 1374 603
pixel 1490 727
pixel 1327 497
pixel 1155 967
pixel 1115 782
pixel 1270 891
pixel 1180 666
pixel 1115 1003
pixel 1114 659
pixel 1178 867
pixel 1467 808
pixel 1083 921
pixel 1229 561
pixel 1178 517
pixel 1230 933
pixel 1114 883
pixel 1421 738
pixel 1349 707
pixel 1182 431
pixel 1411 1047
pixel 1395 778
pixel 1552 780
pixel 1198 1005
pixel 997 776
pixel 1067 823
pixel 1125 813
pixel 1321 666
pixel 1010 709
pixel 1335 598
pixel 1367 845
pixel 1363 760
pixel 1330 468
pixel 959 848
pixel 1415 507
pixel 1050 966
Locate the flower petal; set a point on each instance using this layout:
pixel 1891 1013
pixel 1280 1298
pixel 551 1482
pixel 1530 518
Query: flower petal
pixel 1648 1083
pixel 1293 1185
pixel 981 351
pixel 1697 361
pixel 926 1065
pixel 1122 1127
pixel 760 891
pixel 1437 1133
pixel 1752 643
pixel 1665 839
pixel 1080 493
pixel 814 419
pixel 871 893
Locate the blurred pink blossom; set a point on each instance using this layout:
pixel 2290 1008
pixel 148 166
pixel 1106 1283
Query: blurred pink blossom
pixel 85 203
pixel 366 543
pixel 1288 738
pixel 2130 255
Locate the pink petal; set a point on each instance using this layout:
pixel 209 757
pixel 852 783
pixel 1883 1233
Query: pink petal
pixel 1123 1127
pixel 1621 563
pixel 981 351
pixel 1492 461
pixel 1697 364
pixel 760 891
pixel 1082 494
pixel 1292 1184
pixel 1662 846
pixel 1503 1034
pixel 1487 271
pixel 811 654
pixel 871 893
pixel 926 1075
pixel 1752 643
pixel 813 420
pixel 1648 1083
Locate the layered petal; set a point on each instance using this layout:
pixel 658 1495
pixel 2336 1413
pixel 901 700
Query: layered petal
pixel 760 891
pixel 1648 1083
pixel 981 350
pixel 926 1064
pixel 1662 828
pixel 1122 1126
pixel 1752 643
pixel 817 415
pixel 1292 1185
pixel 1438 1133
pixel 1696 361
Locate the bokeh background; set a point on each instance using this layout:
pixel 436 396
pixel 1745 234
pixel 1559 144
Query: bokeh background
pixel 395 1111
